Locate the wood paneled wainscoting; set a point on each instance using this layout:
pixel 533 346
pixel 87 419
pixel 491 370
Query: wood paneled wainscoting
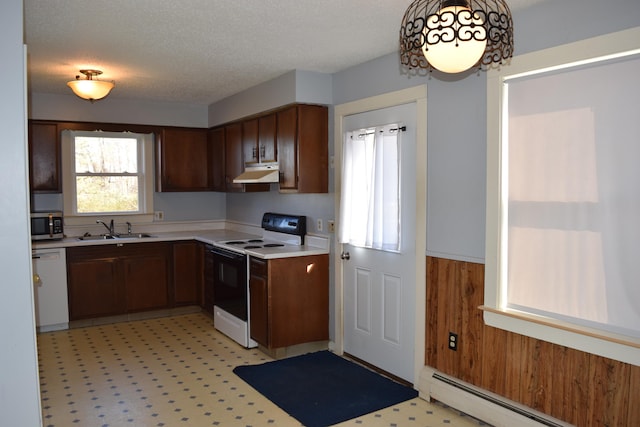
pixel 580 388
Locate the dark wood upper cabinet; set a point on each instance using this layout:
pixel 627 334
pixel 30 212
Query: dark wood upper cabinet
pixel 182 155
pixel 234 135
pixel 259 139
pixel 250 141
pixel 234 162
pixel 302 138
pixel 44 158
pixel 267 147
pixel 217 159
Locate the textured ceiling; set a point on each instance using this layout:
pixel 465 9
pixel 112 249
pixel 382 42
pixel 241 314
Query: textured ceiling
pixel 201 51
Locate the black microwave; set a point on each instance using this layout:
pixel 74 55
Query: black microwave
pixel 46 226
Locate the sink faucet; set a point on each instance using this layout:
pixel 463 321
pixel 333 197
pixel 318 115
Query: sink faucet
pixel 108 227
pixel 128 227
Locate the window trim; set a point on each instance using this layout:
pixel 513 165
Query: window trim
pixel 595 341
pixel 69 196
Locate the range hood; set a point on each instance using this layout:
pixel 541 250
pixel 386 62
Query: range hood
pixel 257 173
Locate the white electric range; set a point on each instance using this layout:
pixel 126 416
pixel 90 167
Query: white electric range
pixel 283 236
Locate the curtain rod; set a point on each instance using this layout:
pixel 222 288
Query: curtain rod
pixel 398 129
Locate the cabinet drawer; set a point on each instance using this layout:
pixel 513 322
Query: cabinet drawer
pixel 258 267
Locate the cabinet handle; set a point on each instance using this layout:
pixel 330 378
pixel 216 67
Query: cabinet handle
pixel 263 152
pixel 254 152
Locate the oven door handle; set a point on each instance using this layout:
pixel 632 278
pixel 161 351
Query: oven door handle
pixel 228 255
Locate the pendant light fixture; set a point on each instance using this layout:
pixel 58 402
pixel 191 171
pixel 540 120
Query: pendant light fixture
pixel 89 88
pixel 455 35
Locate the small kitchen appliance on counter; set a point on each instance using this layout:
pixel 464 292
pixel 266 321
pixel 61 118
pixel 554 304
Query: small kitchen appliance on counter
pixel 46 225
pixel 282 233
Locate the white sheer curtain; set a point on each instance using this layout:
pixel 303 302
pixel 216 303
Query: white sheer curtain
pixel 370 199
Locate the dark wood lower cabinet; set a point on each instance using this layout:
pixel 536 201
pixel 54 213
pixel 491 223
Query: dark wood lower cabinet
pixel 95 288
pixel 259 295
pixel 187 273
pixel 146 281
pixel 105 280
pixel 207 281
pixel 289 300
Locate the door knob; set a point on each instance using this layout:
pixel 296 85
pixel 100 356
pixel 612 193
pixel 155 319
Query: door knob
pixel 345 255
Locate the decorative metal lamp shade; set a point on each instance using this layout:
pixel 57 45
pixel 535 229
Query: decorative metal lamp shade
pixel 88 88
pixel 455 35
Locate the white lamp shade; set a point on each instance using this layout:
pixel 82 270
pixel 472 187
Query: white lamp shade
pixel 91 89
pixel 456 55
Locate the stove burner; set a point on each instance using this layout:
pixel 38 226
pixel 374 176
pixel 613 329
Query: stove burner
pixel 273 245
pixel 255 241
pixel 236 242
pixel 252 247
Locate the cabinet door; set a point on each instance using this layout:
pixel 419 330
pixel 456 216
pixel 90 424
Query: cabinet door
pixel 216 159
pixel 288 148
pixel 259 302
pixel 259 139
pixel 183 160
pixel 187 273
pixel 146 281
pixel 267 150
pixel 250 152
pixel 207 292
pixel 313 149
pixel 44 158
pixel 303 149
pixel 299 289
pixel 94 287
pixel 234 162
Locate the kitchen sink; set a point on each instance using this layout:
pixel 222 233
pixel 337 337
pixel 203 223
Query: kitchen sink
pixel 117 236
pixel 98 237
pixel 134 236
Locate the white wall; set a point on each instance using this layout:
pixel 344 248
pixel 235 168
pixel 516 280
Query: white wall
pixel 456 117
pixel 294 86
pixel 46 106
pixel 19 391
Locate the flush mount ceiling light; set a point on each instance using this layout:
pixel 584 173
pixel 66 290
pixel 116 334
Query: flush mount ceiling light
pixel 455 35
pixel 89 88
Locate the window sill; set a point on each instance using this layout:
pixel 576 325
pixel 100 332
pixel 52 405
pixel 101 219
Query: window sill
pixel 614 346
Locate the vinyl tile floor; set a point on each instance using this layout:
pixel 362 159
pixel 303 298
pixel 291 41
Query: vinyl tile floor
pixel 175 371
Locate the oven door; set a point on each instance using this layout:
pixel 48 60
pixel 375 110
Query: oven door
pixel 230 282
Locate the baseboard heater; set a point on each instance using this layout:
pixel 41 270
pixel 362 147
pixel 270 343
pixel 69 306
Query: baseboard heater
pixel 481 404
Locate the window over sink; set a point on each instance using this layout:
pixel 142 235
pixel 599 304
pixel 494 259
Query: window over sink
pixel 107 174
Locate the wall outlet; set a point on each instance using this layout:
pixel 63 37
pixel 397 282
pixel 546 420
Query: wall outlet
pixel 319 225
pixel 158 216
pixel 453 341
pixel 331 225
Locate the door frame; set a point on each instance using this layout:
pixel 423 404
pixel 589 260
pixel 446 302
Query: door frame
pixel 417 95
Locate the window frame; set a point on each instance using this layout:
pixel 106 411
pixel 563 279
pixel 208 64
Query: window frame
pixel 595 341
pixel 145 153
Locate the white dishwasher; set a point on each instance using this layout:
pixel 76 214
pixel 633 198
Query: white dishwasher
pixel 50 284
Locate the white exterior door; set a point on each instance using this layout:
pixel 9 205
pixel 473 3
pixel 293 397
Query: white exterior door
pixel 379 287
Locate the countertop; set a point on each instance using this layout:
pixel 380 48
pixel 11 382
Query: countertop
pixel 315 245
